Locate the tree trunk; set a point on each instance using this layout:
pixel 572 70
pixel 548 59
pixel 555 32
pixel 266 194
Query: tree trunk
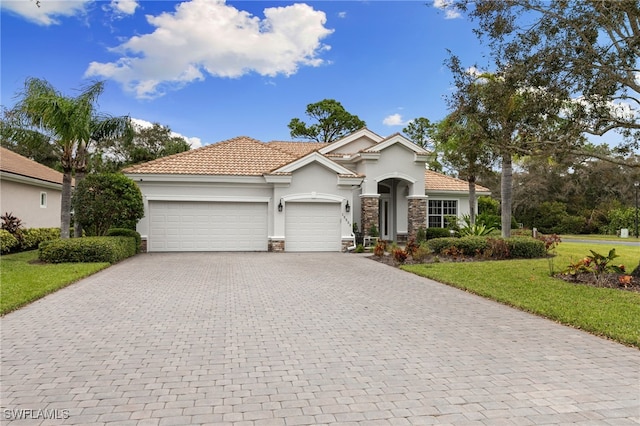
pixel 77 227
pixel 65 204
pixel 472 199
pixel 506 194
pixel 81 171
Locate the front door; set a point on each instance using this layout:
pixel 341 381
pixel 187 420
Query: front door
pixel 385 218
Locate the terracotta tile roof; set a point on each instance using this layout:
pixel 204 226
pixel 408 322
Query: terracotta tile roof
pixel 241 156
pixel 434 181
pixel 11 162
pixel 297 148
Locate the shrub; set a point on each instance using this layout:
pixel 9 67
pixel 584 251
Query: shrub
pixel 124 232
pixel 106 200
pixel 596 264
pixel 620 218
pixel 380 248
pixel 359 249
pixel 7 241
pixel 432 233
pixel 411 247
pixel 526 248
pixel 438 245
pixel 421 235
pixel 11 224
pixel 496 248
pixel 478 230
pixel 399 255
pixel 472 245
pixel 32 237
pixel 550 241
pixel 88 249
pixel 421 253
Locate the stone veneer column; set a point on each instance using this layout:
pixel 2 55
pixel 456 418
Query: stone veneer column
pixel 276 245
pixel 417 216
pixel 369 213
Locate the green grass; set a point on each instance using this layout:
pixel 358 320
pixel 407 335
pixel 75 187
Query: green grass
pixel 527 285
pixel 22 281
pixel 600 237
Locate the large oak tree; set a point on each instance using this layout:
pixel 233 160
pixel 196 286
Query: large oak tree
pixel 585 51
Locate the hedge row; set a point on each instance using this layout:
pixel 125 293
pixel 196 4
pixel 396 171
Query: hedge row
pixel 88 249
pixel 28 239
pixel 124 232
pixel 496 248
pixel 432 233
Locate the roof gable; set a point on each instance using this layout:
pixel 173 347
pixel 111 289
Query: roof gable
pixel 398 139
pixel 341 144
pixel 11 162
pixel 314 157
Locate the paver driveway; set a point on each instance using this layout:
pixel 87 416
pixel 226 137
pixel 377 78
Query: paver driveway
pixel 289 339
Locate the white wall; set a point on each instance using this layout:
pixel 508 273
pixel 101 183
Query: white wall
pixel 314 183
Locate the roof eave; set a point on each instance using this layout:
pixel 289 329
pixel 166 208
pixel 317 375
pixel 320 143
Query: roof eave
pixel 14 177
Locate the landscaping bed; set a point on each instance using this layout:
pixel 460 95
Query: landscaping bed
pixel 618 281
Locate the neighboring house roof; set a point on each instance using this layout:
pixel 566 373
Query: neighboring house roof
pixel 10 162
pixel 434 181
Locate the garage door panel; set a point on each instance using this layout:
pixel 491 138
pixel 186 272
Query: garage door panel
pixel 313 227
pixel 207 226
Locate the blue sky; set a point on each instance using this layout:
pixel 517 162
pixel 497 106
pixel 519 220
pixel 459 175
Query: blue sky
pixel 213 70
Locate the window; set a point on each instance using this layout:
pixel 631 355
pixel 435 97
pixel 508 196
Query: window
pixel 439 210
pixel 43 200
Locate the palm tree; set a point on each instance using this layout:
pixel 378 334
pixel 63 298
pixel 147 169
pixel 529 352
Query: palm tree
pixel 73 124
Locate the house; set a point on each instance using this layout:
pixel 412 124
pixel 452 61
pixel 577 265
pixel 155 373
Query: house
pixel 247 195
pixel 29 190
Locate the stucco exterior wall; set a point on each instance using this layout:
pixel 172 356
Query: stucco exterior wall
pixel 387 166
pixel 23 200
pixel 314 183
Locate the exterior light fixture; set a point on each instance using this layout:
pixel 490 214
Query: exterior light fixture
pixel 347 208
pixel 280 206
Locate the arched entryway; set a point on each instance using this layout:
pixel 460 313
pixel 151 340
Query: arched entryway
pixel 393 209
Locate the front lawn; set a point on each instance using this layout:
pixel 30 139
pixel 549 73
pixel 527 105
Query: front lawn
pixel 23 279
pixel 527 285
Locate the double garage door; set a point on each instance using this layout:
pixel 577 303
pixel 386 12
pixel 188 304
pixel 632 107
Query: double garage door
pixel 240 226
pixel 207 226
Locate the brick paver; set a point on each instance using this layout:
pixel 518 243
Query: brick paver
pixel 299 339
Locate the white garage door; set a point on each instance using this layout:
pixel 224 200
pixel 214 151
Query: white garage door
pixel 312 227
pixel 207 226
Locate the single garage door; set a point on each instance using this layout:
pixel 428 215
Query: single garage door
pixel 312 227
pixel 207 226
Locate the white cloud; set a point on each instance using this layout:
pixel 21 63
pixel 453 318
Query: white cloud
pixel 450 11
pixel 210 37
pixel 473 71
pixel 124 7
pixel 342 15
pixel 394 120
pixel 192 141
pixel 45 12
